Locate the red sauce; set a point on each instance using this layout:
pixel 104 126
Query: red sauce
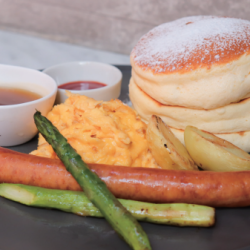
pixel 81 85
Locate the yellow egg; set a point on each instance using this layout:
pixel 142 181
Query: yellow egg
pixel 101 132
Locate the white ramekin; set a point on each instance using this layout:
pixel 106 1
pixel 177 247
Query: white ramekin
pixel 16 121
pixel 87 71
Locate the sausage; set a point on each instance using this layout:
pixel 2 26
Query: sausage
pixel 218 189
pixel 33 170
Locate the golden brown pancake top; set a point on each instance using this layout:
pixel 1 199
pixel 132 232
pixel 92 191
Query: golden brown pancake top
pixel 191 43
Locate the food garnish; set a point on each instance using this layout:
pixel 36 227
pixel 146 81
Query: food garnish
pixel 167 150
pixel 213 153
pixel 95 189
pixel 78 203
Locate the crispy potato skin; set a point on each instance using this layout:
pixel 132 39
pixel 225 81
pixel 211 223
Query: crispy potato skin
pixel 218 189
pixel 167 150
pixel 156 143
pixel 212 153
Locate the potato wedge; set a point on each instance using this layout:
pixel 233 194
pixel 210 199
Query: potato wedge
pixel 156 146
pixel 167 150
pixel 213 153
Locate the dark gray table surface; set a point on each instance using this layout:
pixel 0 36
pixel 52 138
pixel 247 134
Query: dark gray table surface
pixel 27 228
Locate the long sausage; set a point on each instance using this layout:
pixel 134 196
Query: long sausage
pixel 218 189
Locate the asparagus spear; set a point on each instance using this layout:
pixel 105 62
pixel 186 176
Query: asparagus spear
pixel 95 189
pixel 77 203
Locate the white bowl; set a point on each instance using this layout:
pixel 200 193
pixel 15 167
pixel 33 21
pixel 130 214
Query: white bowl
pixel 16 121
pixel 87 71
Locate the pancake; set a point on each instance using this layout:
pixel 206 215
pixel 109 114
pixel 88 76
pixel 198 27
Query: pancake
pixel 234 117
pixel 200 62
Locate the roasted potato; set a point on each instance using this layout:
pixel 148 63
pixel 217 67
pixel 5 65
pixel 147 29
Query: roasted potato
pixel 213 153
pixel 167 150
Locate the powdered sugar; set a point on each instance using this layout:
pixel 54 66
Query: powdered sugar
pixel 191 42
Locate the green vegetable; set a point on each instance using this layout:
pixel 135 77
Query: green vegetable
pixel 77 203
pixel 95 189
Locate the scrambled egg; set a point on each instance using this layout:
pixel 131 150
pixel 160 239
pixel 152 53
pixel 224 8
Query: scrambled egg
pixel 101 132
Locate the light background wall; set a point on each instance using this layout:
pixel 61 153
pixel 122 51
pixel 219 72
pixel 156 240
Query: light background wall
pixel 112 25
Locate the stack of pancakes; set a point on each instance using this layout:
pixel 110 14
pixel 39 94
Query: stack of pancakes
pixel 196 71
